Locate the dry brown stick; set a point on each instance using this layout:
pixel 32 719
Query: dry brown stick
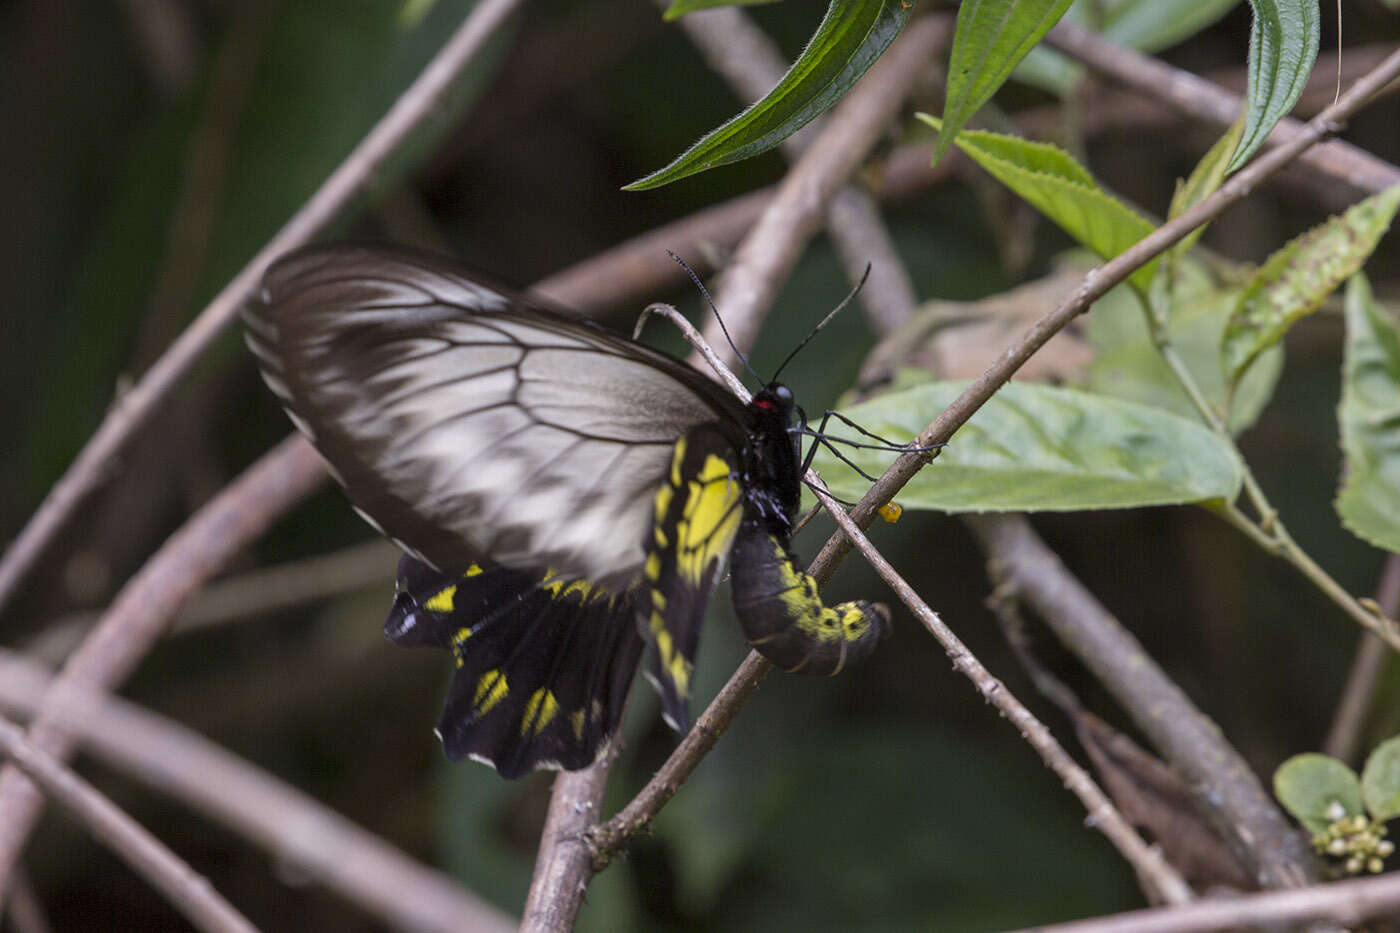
pixel 763 259
pixel 295 829
pixel 136 407
pixel 1225 788
pixel 188 891
pixel 1199 98
pixel 744 681
pixel 1366 667
pixel 145 605
pixel 24 911
pixel 1347 903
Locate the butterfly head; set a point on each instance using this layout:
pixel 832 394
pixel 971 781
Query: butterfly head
pixel 774 401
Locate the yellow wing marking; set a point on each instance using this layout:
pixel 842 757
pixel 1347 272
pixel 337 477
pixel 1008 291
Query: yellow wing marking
pixel 540 711
pixel 443 600
pixel 709 520
pixel 490 690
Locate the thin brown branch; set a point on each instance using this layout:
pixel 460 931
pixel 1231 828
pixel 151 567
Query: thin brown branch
pixel 252 595
pixel 1347 903
pixel 135 408
pixel 1197 97
pixel 1147 861
pixel 1366 666
pixel 1096 284
pixel 748 288
pixel 188 891
pixel 1226 791
pixel 742 684
pixel 294 828
pixel 23 909
pixel 143 609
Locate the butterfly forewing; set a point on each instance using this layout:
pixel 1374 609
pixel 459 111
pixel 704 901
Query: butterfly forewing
pixel 461 429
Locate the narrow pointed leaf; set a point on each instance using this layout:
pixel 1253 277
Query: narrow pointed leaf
pixel 1309 784
pixel 991 37
pixel 681 7
pixel 1298 278
pixel 849 39
pixel 1061 189
pixel 1282 49
pixel 1040 448
pixel 1369 415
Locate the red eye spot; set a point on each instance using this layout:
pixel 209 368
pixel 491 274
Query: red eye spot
pixel 764 404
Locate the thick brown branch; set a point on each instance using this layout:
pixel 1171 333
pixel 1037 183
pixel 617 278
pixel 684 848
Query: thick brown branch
pixel 191 893
pixel 294 829
pixel 144 607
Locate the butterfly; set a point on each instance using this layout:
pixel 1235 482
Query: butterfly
pixel 565 498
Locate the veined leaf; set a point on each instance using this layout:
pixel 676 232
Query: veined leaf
pixel 1128 365
pixel 1039 448
pixel 849 39
pixel 681 7
pixel 1309 785
pixel 1380 780
pixel 1282 49
pixel 1298 278
pixel 1061 189
pixel 991 37
pixel 1369 415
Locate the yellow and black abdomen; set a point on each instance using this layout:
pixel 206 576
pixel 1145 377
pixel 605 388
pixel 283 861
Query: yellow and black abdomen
pixel 784 618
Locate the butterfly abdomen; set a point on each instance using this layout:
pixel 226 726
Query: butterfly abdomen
pixel 783 616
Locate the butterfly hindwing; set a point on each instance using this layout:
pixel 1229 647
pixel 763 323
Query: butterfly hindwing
pixel 543 663
pixel 697 510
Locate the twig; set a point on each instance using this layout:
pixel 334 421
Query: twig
pixel 1227 792
pixel 1097 283
pixel 1366 667
pixel 25 913
pixel 142 610
pixel 1102 814
pixel 250 595
pixel 188 891
pixel 763 259
pixel 294 828
pixel 1199 98
pixel 135 408
pixel 1348 903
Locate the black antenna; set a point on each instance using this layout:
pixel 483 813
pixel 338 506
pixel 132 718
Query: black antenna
pixel 815 330
pixel 710 301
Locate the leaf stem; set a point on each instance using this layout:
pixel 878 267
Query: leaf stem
pixel 1269 531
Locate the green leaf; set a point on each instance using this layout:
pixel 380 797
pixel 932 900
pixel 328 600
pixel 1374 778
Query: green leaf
pixel 1380 780
pixel 1298 278
pixel 1205 178
pixel 1369 415
pixel 1282 49
pixel 852 35
pixel 1308 785
pixel 1128 365
pixel 681 7
pixel 991 37
pixel 1061 189
pixel 1039 448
